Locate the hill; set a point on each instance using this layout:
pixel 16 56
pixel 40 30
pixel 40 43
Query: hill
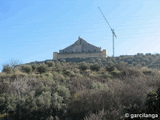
pixel 81 89
pixel 144 60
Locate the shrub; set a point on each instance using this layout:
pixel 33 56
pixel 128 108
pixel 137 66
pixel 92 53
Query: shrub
pixel 95 67
pixel 69 73
pixel 27 68
pixel 106 75
pixel 34 67
pixel 58 66
pixel 63 91
pixel 50 63
pixel 99 116
pixel 99 86
pixel 42 68
pixel 146 71
pixel 83 66
pixel 7 69
pixel 47 74
pixel 153 102
pixel 110 68
pixel 91 102
pixel 132 72
pixel 116 73
pixel 16 70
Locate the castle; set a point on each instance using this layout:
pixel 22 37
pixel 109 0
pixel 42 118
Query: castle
pixel 80 49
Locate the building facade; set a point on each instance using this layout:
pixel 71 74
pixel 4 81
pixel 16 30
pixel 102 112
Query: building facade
pixel 80 49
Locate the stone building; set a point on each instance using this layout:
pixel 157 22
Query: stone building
pixel 80 49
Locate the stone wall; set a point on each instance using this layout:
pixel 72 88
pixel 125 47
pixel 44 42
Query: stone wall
pixel 98 54
pixel 80 49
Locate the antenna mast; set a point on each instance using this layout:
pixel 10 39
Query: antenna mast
pixel 112 30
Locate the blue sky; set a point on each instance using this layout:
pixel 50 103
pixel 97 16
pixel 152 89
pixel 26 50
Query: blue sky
pixel 31 30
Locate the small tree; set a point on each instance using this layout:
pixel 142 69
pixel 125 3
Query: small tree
pixel 13 63
pixel 7 69
pixel 153 102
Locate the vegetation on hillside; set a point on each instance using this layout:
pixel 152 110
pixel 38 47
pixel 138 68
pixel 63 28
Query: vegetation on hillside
pixel 97 89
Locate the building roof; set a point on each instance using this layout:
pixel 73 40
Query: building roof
pixel 80 46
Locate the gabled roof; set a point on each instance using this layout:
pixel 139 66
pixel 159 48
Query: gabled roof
pixel 81 41
pixel 80 46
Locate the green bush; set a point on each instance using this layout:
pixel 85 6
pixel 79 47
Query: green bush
pixel 99 86
pixel 42 68
pixel 34 67
pixel 58 66
pixel 153 102
pixel 83 66
pixel 63 91
pixel 106 75
pixel 7 69
pixel 116 73
pixel 50 63
pixel 27 68
pixel 95 67
pixel 110 68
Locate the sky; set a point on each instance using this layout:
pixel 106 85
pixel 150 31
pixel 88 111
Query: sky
pixel 31 30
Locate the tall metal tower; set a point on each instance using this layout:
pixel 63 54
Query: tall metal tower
pixel 113 33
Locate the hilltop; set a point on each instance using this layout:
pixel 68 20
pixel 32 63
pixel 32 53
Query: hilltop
pixel 81 89
pixel 144 60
